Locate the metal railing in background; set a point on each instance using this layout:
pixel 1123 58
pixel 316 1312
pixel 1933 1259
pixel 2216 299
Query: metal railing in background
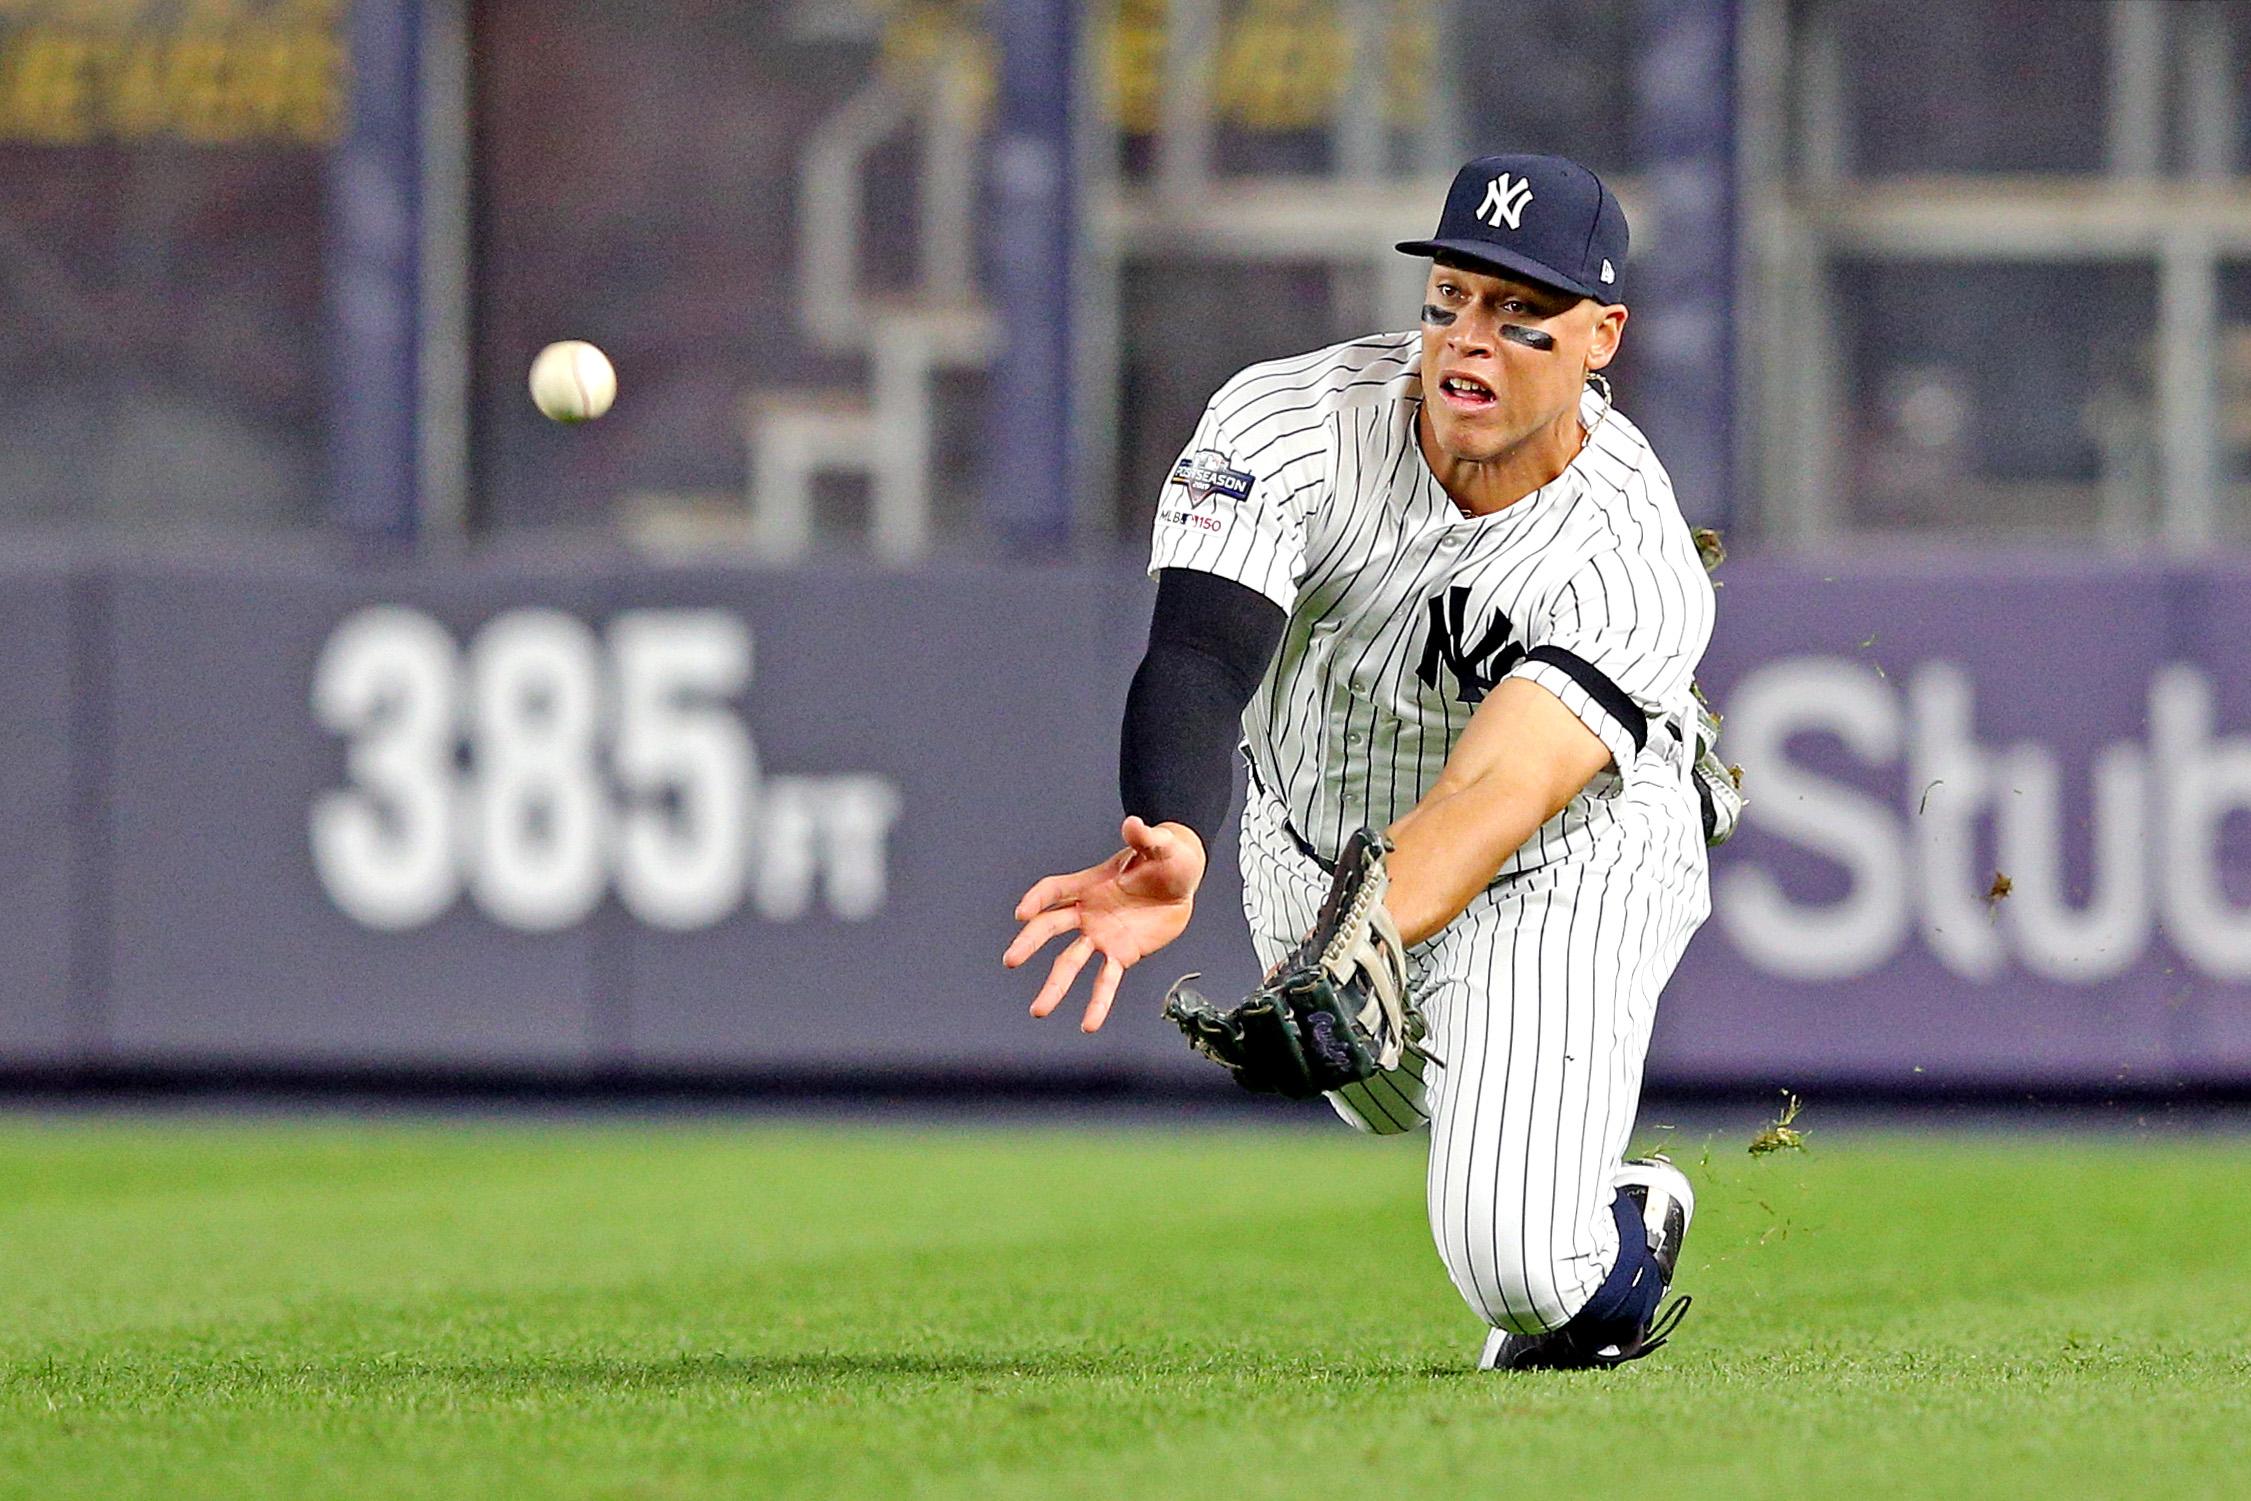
pixel 941 323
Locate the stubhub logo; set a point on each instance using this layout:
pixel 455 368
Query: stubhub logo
pixel 1920 865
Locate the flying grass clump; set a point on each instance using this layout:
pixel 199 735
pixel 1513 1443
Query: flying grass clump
pixel 1780 1135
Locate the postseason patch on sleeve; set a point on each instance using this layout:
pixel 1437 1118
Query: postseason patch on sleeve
pixel 1205 473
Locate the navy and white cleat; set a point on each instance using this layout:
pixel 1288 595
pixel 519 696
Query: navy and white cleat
pixel 1662 1193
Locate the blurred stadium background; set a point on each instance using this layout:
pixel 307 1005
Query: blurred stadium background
pixel 358 722
pixel 366 738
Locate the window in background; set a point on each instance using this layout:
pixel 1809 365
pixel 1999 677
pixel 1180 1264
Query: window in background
pixel 1551 75
pixel 161 293
pixel 1950 86
pixel 1996 399
pixel 1992 234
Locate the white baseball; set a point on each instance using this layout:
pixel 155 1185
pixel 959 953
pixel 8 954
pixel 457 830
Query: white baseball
pixel 573 381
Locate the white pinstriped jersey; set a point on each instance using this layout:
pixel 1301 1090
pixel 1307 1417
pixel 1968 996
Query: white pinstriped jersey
pixel 1305 482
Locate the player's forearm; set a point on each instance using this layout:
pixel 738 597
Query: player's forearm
pixel 1520 762
pixel 1451 846
pixel 1176 748
pixel 1209 643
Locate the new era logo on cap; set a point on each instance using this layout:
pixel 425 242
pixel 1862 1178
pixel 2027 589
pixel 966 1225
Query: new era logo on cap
pixel 1576 242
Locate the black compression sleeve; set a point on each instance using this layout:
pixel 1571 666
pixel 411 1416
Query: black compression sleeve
pixel 1209 642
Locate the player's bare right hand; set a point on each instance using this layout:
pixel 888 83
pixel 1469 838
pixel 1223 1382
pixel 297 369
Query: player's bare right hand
pixel 1125 909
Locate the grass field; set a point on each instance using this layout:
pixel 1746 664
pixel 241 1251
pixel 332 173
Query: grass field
pixel 337 1311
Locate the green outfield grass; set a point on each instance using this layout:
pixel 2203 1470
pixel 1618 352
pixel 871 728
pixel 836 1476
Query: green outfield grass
pixel 338 1311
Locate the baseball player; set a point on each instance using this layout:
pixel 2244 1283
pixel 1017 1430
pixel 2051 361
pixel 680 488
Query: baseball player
pixel 1432 584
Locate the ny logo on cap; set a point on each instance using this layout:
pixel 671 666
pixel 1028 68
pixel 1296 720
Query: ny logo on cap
pixel 1505 197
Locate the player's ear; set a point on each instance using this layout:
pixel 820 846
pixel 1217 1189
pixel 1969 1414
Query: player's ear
pixel 1609 328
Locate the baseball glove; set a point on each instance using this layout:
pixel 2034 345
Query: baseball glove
pixel 1334 1012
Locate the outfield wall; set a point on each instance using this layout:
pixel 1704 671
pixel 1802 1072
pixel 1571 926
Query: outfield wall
pixel 560 817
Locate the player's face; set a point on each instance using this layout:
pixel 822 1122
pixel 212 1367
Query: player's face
pixel 1505 360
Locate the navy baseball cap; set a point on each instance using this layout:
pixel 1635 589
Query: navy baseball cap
pixel 1544 218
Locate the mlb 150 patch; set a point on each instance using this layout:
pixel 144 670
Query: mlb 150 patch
pixel 1205 473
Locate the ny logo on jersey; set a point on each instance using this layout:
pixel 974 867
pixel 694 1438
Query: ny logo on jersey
pixel 1505 197
pixel 1446 648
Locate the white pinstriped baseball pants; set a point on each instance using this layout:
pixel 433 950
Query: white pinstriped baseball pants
pixel 1540 997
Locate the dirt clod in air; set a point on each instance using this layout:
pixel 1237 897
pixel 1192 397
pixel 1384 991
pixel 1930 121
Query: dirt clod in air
pixel 1780 1135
